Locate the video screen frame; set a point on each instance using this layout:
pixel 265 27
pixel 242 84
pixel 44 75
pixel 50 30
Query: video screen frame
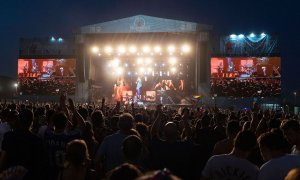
pixel 46 76
pixel 246 76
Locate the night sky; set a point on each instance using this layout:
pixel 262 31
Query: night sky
pixel 43 18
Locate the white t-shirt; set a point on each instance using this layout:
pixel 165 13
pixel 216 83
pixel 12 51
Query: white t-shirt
pixel 227 166
pixel 278 168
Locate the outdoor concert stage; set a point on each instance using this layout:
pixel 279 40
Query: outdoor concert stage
pixel 152 60
pixel 139 58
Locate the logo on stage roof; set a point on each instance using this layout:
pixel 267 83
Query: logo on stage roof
pixel 139 24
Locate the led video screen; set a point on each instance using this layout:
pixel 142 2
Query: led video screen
pixel 46 76
pixel 246 76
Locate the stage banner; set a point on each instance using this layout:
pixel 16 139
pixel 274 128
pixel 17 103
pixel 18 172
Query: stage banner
pixel 250 45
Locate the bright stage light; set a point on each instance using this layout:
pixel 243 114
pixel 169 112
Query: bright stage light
pixel 95 49
pixel 252 35
pixel 148 61
pixel 132 49
pixel 172 60
pixel 157 49
pixel 186 48
pixel 52 39
pixel 232 36
pixel 121 49
pixel 119 70
pixel 149 69
pixel 126 65
pixel 115 63
pixel 139 61
pixel 241 36
pixel 146 49
pixel 108 50
pixel 171 49
pixel 142 70
pixel 173 69
pixel 262 34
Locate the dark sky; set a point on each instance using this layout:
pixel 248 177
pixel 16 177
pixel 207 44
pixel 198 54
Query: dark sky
pixel 42 18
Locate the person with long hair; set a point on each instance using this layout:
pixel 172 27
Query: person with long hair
pixel 77 162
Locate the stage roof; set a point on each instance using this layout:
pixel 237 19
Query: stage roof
pixel 144 24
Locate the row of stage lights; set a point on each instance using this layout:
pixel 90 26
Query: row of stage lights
pixel 144 66
pixel 145 50
pixel 146 72
pixel 241 36
pixel 53 39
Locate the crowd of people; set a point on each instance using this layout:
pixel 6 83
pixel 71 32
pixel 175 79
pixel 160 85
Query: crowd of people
pixel 66 140
pixel 252 87
pixel 51 86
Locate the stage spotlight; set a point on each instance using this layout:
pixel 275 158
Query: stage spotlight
pixel 149 69
pixel 108 50
pixel 173 69
pixel 232 36
pixel 186 48
pixel 157 49
pixel 139 61
pixel 119 70
pixel 60 40
pixel 95 49
pixel 252 35
pixel 241 36
pixel 171 49
pixel 262 34
pixel 52 39
pixel 142 70
pixel 121 49
pixel 172 60
pixel 132 49
pixel 146 49
pixel 148 61
pixel 115 62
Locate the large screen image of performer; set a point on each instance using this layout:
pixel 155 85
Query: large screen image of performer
pixel 46 76
pixel 246 76
pixel 147 89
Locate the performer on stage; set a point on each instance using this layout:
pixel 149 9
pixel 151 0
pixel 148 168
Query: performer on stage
pixel 34 66
pixel 61 71
pixel 25 69
pixel 118 91
pixel 139 86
